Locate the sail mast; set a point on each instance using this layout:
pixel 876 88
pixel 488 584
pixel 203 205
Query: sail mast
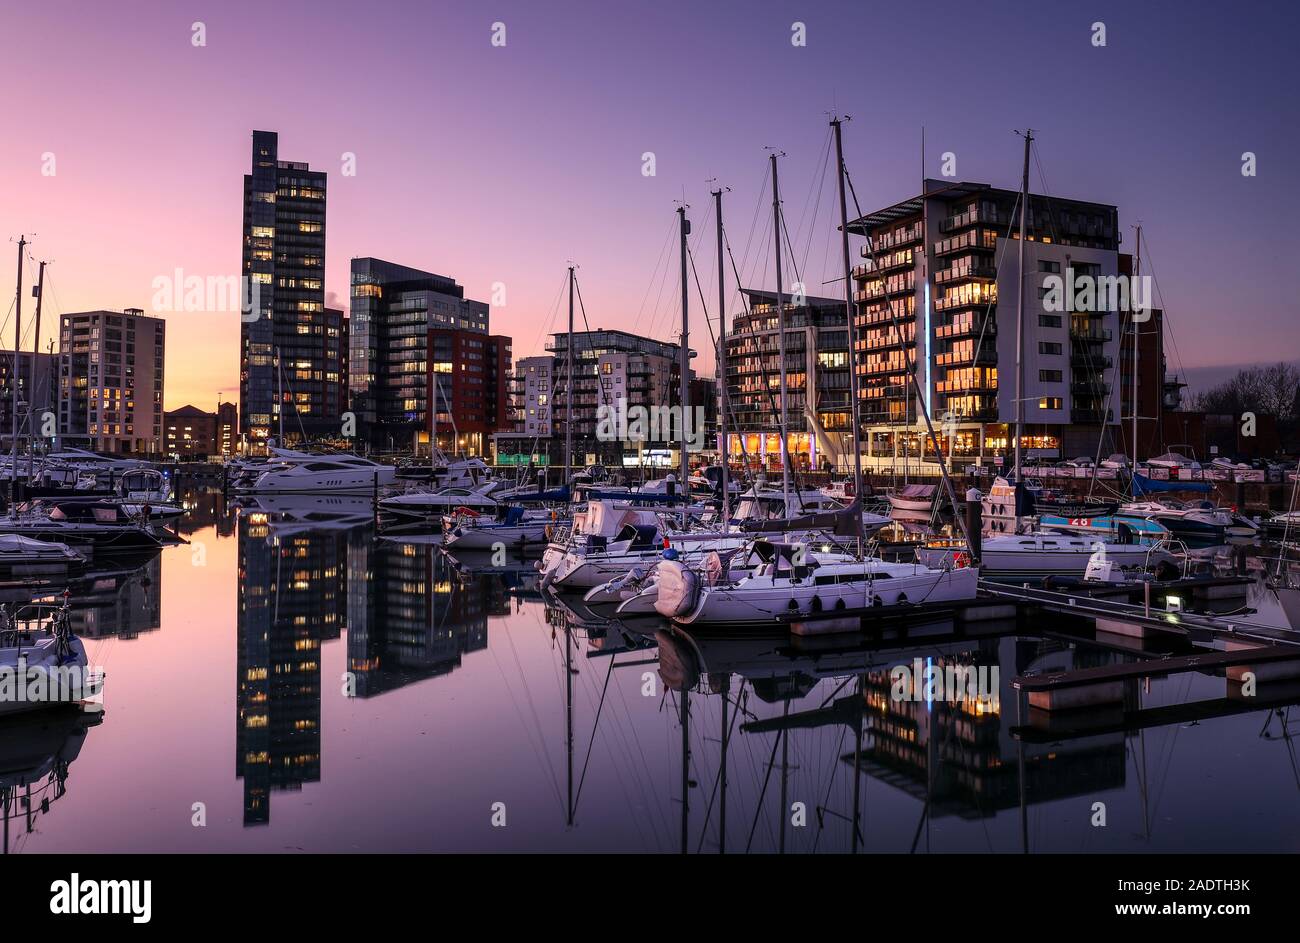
pixel 721 360
pixel 13 375
pixel 684 356
pixel 780 327
pixel 1132 316
pixel 36 349
pixel 568 389
pixel 1020 316
pixel 848 310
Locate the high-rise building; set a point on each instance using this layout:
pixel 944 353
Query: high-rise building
pixel 291 347
pixel 111 380
pixel 816 377
pixel 948 260
pixel 415 338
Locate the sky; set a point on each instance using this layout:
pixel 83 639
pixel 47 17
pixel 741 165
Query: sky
pixel 498 164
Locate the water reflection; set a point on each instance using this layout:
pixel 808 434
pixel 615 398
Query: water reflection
pixel 361 659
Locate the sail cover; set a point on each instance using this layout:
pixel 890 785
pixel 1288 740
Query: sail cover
pixel 846 522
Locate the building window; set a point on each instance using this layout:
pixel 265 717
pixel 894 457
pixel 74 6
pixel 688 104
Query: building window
pixel 1049 320
pixel 1049 347
pixel 1049 376
pixel 1050 402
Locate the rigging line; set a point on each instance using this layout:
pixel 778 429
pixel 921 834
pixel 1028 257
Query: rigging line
pixel 590 342
pixel 816 207
pixel 555 309
pixel 767 778
pixel 816 204
pixel 594 725
pixel 659 261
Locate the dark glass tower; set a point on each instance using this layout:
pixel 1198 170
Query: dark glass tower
pixel 290 360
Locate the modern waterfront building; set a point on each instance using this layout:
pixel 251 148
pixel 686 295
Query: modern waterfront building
pixel 613 369
pixel 416 339
pixel 111 380
pixel 947 259
pixel 37 379
pixel 292 350
pixel 816 375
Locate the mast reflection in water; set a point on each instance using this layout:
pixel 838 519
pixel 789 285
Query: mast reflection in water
pixel 390 697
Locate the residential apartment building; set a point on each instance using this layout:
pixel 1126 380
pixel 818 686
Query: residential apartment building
pixel 292 349
pixel 111 381
pixel 948 262
pixel 37 378
pixel 817 413
pixel 614 369
pixel 414 338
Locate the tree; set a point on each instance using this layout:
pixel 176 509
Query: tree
pixel 1267 391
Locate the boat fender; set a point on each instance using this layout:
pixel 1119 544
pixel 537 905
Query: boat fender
pixel 841 605
pixel 816 604
pixel 902 599
pixel 793 605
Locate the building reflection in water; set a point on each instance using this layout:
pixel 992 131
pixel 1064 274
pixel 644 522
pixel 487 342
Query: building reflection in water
pixel 412 614
pixel 293 596
pixel 958 757
pixel 121 598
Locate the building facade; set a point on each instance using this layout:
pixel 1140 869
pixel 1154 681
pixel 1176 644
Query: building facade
pixel 415 338
pixel 292 350
pixel 816 377
pixel 614 372
pixel 111 381
pixel 190 432
pixel 37 380
pixel 948 262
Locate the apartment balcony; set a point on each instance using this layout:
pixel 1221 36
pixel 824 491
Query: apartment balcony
pixel 963 273
pixel 984 357
pixel 973 217
pixel 1080 358
pixel 1090 415
pixel 955 302
pixel 967 325
pixel 986 385
pixel 1089 387
pixel 974 241
pixel 1090 335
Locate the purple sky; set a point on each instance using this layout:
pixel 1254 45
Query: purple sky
pixel 499 164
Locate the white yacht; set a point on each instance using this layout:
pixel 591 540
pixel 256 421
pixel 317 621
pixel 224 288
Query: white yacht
pixel 784 580
pixel 340 472
pixel 609 538
pixel 1197 521
pixel 51 651
pixel 518 529
pixel 1033 556
pixel 432 505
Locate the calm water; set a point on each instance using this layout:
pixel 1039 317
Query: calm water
pixel 226 664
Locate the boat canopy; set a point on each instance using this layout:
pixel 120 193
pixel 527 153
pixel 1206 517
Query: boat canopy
pixel 1144 485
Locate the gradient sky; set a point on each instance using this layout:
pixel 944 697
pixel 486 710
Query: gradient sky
pixel 499 164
